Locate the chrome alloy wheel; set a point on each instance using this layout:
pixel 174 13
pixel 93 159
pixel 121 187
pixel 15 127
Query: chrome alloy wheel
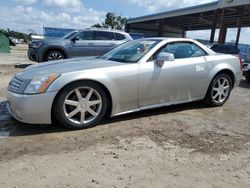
pixel 55 56
pixel 221 90
pixel 82 105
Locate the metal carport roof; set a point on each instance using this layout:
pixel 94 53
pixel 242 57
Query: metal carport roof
pixel 220 14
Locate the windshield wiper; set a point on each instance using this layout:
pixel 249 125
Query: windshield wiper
pixel 121 60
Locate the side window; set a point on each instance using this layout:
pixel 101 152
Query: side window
pixel 119 36
pixel 103 35
pixel 197 51
pixel 182 50
pixel 86 35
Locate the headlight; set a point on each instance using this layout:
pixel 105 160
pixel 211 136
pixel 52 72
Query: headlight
pixel 40 85
pixel 36 44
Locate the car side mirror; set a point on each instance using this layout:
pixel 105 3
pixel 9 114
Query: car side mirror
pixel 75 38
pixel 164 56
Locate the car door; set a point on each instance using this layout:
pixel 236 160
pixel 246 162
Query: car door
pixel 104 42
pixel 181 80
pixel 84 46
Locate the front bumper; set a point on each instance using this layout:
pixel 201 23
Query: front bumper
pixel 35 55
pixel 31 109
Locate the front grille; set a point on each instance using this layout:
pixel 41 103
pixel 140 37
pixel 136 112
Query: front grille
pixel 17 85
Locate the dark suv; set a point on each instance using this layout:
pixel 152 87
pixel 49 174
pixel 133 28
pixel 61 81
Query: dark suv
pixel 225 49
pixel 246 67
pixel 88 42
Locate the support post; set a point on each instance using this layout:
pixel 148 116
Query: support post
pixel 224 35
pixel 222 29
pixel 184 33
pixel 239 26
pixel 161 28
pixel 214 26
pixel 127 28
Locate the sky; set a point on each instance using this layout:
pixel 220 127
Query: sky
pixel 28 15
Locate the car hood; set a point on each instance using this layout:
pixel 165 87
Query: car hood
pixel 65 66
pixel 53 39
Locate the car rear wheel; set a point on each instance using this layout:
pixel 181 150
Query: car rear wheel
pixel 54 55
pixel 81 105
pixel 219 90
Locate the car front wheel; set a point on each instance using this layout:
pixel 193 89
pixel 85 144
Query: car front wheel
pixel 54 55
pixel 81 105
pixel 219 90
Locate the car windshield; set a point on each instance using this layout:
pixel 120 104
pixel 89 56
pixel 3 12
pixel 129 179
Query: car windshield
pixel 130 52
pixel 69 35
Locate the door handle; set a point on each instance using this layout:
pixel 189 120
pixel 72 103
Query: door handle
pixel 112 44
pixel 91 44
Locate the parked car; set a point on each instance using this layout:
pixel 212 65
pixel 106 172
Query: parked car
pixel 88 42
pixel 226 49
pixel 137 35
pixel 246 67
pixel 137 75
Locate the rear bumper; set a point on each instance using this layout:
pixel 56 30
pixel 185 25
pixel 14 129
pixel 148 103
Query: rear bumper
pixel 31 109
pixel 238 78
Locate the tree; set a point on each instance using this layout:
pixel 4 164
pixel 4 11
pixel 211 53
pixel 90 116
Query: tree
pixel 112 21
pixel 97 25
pixel 15 34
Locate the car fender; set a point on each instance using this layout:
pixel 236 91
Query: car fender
pixel 218 68
pixel 98 77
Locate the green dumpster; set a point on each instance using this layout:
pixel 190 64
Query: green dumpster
pixel 4 44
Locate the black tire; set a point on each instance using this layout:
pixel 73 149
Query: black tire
pixel 247 78
pixel 209 96
pixel 59 105
pixel 54 55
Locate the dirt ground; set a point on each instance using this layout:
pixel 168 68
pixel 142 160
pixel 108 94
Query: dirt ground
pixel 188 145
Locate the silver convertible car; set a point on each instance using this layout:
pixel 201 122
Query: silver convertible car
pixel 137 75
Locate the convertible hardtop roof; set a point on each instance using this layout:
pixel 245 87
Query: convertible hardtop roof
pixel 169 39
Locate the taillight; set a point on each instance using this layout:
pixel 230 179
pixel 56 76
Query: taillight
pixel 241 63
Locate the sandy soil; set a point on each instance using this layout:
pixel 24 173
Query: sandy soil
pixel 188 145
pixel 11 64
